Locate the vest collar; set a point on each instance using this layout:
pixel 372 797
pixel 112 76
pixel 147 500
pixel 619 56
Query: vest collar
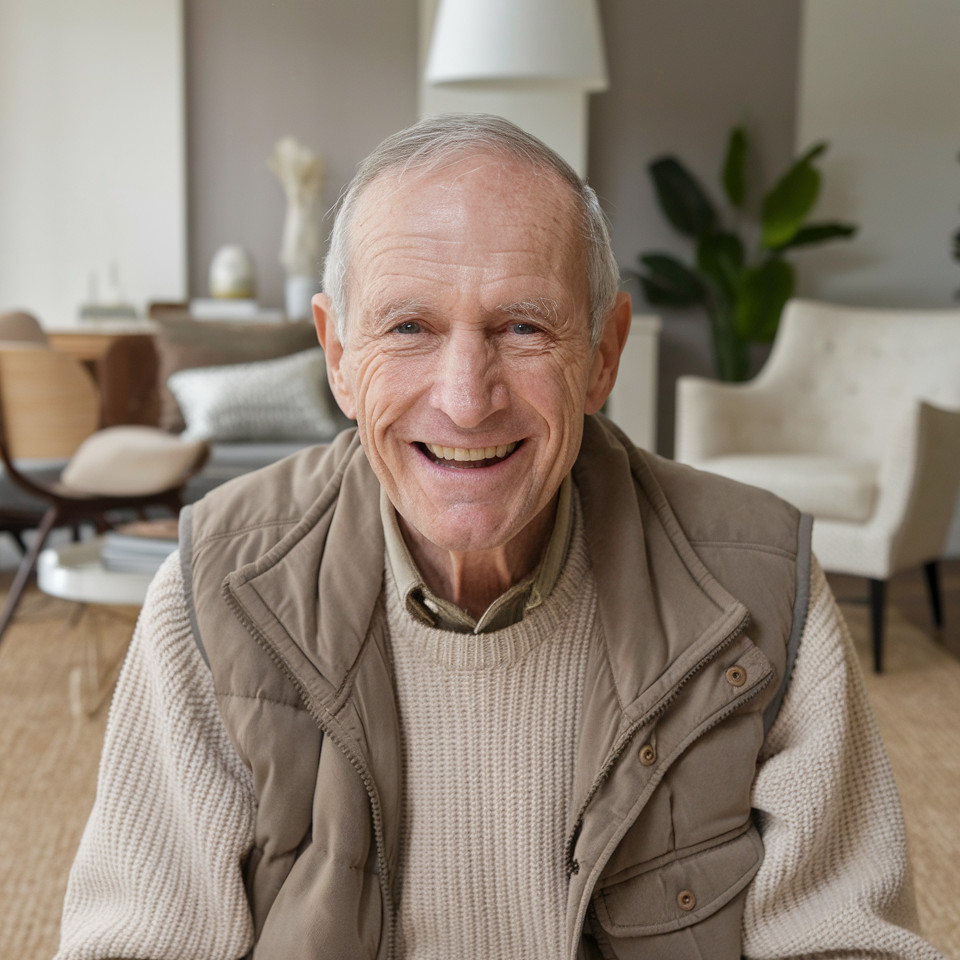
pixel 661 609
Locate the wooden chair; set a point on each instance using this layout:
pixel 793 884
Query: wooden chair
pixel 50 410
pixel 22 327
pixel 18 511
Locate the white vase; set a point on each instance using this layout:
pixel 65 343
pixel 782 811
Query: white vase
pixel 298 293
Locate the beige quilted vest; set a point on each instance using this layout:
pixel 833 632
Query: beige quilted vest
pixel 698 598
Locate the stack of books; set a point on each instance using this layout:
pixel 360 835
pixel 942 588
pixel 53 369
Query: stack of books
pixel 139 547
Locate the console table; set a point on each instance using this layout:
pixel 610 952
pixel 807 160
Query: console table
pixel 89 340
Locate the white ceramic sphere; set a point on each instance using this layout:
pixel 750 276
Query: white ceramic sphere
pixel 231 273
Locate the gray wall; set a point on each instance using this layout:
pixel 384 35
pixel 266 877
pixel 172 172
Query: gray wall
pixel 339 75
pixel 681 76
pixel 879 80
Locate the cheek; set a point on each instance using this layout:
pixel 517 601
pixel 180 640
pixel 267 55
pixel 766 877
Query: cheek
pixel 568 391
pixel 383 390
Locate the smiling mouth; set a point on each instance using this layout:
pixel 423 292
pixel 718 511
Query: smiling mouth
pixel 470 457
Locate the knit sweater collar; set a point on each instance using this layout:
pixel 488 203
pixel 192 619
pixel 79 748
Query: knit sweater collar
pixel 491 649
pixel 510 607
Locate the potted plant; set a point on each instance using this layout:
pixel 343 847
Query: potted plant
pixel 742 295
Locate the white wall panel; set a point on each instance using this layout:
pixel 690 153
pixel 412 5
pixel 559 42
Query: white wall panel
pixel 91 152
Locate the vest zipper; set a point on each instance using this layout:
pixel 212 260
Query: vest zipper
pixel 732 707
pixel 385 887
pixel 572 866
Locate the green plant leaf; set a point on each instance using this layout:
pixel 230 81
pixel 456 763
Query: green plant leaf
pixel 788 202
pixel 670 282
pixel 734 175
pixel 819 233
pixel 764 291
pixel 720 258
pixel 815 151
pixel 682 199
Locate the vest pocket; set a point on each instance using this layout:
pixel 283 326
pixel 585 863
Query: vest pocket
pixel 681 890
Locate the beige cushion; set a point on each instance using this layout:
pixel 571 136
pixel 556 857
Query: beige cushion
pixel 187 344
pixel 282 399
pixel 835 488
pixel 130 461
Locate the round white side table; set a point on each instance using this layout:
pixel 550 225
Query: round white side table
pixel 74 572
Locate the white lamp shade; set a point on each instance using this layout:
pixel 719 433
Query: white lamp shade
pixel 522 42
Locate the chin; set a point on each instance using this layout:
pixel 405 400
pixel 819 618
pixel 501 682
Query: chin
pixel 464 536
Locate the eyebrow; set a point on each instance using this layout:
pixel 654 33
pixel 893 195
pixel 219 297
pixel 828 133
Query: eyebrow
pixel 396 311
pixel 540 309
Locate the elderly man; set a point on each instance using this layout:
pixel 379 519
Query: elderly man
pixel 481 679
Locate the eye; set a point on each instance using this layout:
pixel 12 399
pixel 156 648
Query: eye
pixel 408 326
pixel 523 329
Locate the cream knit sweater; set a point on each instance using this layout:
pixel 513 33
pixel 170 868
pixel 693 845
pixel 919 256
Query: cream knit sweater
pixel 488 730
pixel 157 874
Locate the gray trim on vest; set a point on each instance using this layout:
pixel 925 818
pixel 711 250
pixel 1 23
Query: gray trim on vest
pixel 801 603
pixel 186 567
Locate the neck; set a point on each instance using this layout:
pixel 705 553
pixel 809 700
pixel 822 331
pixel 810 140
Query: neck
pixel 474 579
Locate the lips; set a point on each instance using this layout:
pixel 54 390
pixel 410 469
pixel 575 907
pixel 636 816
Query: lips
pixel 468 456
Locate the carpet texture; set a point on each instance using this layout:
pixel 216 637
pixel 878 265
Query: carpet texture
pixel 48 759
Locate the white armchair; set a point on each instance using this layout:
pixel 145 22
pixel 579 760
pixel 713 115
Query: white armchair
pixel 855 419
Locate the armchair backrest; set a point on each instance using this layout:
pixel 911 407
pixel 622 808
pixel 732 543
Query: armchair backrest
pixel 843 378
pixel 49 403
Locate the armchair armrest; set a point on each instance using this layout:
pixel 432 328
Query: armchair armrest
pixel 715 418
pixel 919 482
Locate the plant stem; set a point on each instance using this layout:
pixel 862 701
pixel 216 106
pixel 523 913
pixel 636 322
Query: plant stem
pixel 731 352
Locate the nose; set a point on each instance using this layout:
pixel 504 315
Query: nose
pixel 468 382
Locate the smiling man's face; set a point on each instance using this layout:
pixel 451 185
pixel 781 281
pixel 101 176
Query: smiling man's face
pixel 467 361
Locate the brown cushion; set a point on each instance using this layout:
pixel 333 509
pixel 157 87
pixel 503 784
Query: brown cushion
pixel 186 344
pixel 131 461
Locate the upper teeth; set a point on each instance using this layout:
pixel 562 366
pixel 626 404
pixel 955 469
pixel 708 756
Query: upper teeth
pixel 467 453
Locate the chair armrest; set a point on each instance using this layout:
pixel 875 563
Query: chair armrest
pixel 715 418
pixel 919 482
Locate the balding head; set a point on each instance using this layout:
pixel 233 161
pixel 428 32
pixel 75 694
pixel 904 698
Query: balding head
pixel 439 140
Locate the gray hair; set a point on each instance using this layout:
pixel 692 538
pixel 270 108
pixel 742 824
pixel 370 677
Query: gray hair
pixel 427 143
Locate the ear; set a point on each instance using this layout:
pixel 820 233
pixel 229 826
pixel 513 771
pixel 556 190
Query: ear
pixel 325 320
pixel 606 360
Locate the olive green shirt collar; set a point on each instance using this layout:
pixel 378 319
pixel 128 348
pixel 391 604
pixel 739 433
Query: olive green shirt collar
pixel 509 608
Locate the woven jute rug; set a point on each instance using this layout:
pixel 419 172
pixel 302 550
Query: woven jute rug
pixel 48 761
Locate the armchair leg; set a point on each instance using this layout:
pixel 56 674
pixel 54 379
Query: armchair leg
pixel 26 568
pixel 932 570
pixel 878 589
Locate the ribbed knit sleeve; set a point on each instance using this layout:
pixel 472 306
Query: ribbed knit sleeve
pixel 835 880
pixel 158 874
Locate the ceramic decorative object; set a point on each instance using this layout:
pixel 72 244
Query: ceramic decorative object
pixel 232 274
pixel 298 297
pixel 300 172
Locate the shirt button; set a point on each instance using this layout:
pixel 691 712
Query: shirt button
pixel 736 676
pixel 648 754
pixel 686 900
